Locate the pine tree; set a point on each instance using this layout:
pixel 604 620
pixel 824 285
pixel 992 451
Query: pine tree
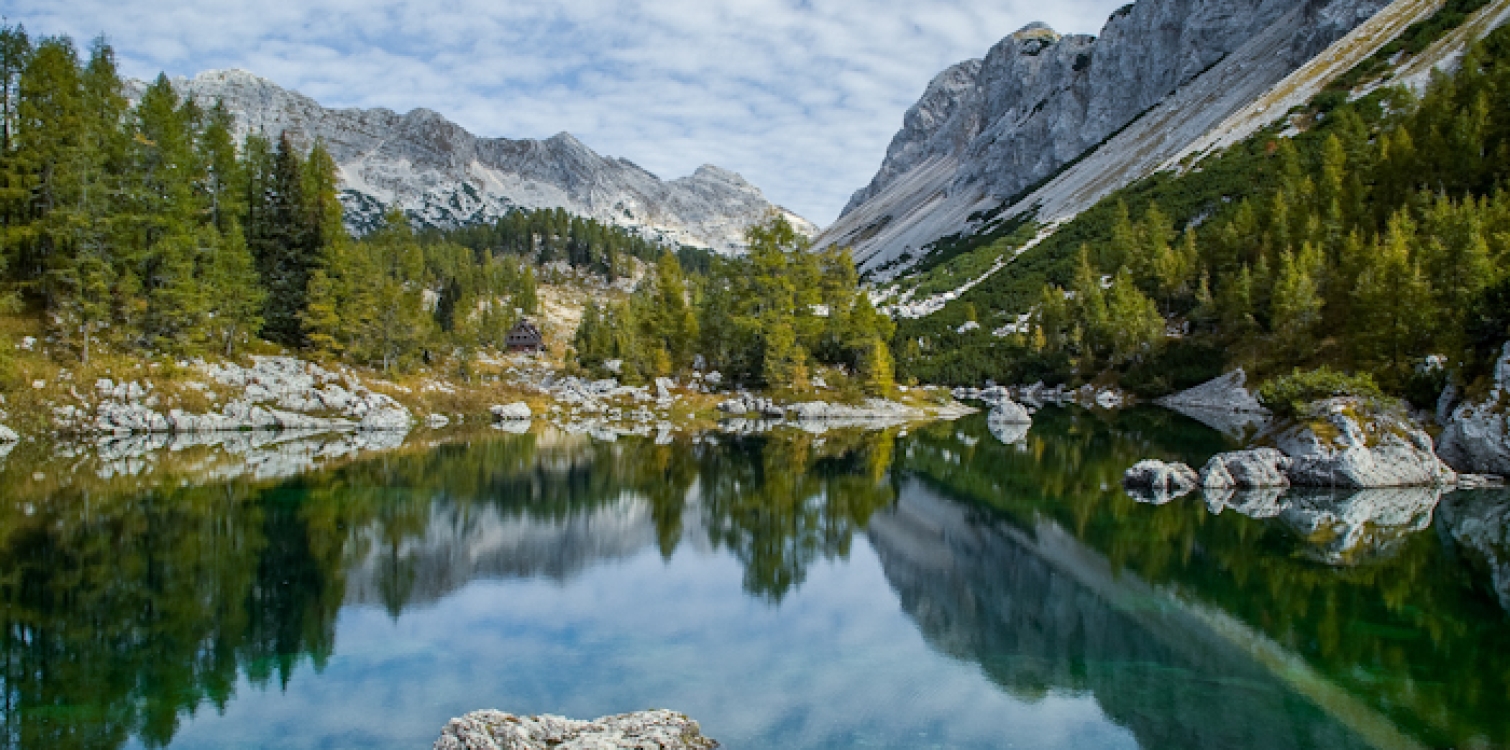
pixel 236 297
pixel 1296 304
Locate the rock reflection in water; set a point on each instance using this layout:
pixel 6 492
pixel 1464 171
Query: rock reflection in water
pixel 1340 527
pixel 1480 524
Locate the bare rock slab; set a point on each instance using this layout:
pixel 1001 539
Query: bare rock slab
pixel 642 730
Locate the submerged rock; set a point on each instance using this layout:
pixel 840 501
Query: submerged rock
pixel 1477 438
pixel 644 730
pixel 1158 482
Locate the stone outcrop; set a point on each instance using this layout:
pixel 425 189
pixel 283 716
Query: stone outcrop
pixel 1477 438
pixel 644 730
pixel 985 131
pixel 1346 443
pixel 275 393
pixel 444 176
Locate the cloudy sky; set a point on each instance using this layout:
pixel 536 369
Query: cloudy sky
pixel 799 96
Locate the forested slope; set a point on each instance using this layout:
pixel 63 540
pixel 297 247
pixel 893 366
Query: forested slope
pixel 1371 235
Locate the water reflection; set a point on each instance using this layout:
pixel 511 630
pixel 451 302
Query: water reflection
pixel 1042 613
pixel 133 597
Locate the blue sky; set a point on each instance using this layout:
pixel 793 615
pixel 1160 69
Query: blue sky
pixel 800 97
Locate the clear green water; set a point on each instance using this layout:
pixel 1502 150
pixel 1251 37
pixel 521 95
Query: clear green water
pixel 931 589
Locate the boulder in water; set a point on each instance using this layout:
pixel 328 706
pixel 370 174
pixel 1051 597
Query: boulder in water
pixel 643 730
pixel 1159 482
pixel 1245 470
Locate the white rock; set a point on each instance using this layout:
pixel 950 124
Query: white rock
pixel 511 412
pixel 7 435
pixel 1158 482
pixel 1251 469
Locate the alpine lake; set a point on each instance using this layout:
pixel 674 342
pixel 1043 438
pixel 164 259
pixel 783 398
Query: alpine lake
pixel 939 586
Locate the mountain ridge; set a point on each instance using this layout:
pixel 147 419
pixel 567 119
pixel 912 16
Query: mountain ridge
pixel 444 176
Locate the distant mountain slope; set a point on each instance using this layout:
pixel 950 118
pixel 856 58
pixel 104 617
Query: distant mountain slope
pixel 990 131
pixel 447 177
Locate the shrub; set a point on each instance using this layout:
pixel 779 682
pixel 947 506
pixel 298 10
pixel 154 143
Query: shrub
pixel 1289 395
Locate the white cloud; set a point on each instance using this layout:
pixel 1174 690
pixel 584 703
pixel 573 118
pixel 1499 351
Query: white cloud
pixel 799 97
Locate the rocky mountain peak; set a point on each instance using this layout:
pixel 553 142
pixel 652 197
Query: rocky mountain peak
pixel 444 176
pixel 986 131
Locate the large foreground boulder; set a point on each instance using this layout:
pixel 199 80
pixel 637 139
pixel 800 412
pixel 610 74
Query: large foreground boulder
pixel 644 730
pixel 1349 443
pixel 1477 438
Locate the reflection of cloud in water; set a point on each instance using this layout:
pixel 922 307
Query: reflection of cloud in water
pixel 1041 613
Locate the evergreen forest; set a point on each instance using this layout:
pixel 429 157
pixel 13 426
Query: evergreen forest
pixel 134 220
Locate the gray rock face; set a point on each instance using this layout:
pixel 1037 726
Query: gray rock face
pixel 1477 438
pixel 447 177
pixel 1158 482
pixel 1356 451
pixel 986 130
pixel 645 730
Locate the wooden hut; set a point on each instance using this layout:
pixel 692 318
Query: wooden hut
pixel 525 337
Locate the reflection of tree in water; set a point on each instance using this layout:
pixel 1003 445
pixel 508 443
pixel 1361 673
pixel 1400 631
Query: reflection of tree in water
pixel 122 613
pixel 801 500
pixel 125 610
pixel 1411 632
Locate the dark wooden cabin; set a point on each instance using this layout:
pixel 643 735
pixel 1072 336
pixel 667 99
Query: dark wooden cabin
pixel 525 337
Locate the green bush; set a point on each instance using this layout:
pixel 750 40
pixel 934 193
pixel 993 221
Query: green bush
pixel 1289 395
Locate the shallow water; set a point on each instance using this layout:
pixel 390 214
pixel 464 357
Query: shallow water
pixel 883 590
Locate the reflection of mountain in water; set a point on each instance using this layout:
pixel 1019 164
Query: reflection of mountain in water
pixel 1041 612
pixel 462 543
